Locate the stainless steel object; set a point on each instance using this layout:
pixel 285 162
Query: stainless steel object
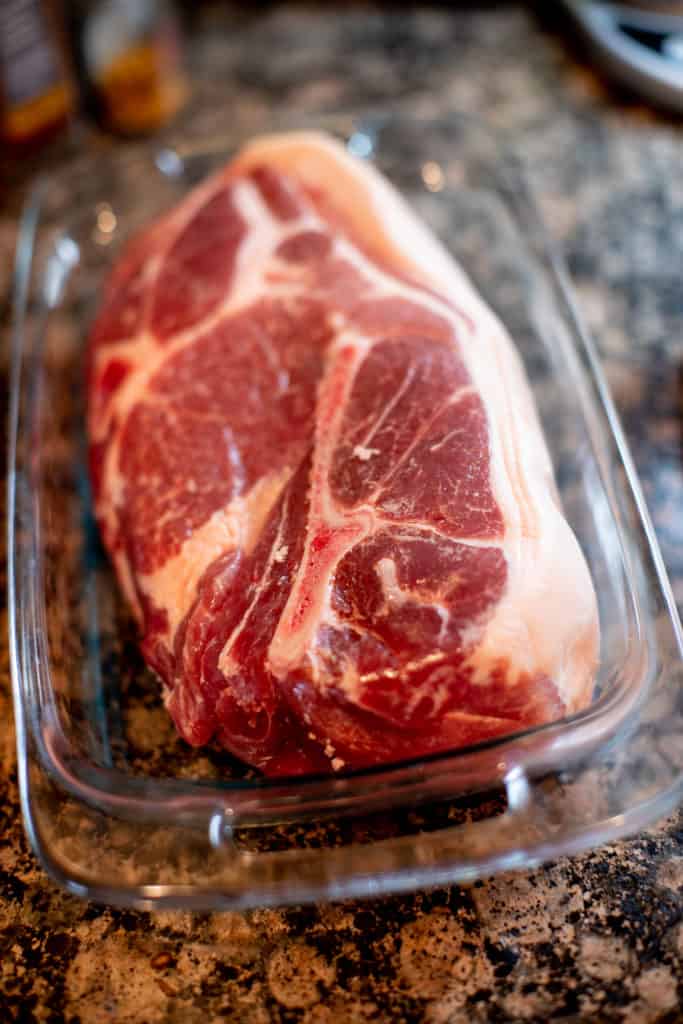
pixel 641 44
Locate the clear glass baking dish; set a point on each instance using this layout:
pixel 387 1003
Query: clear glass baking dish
pixel 116 807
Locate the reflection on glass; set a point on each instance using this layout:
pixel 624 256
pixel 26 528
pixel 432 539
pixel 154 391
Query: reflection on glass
pixel 433 176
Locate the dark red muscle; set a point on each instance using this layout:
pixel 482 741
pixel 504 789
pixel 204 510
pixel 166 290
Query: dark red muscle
pixel 312 381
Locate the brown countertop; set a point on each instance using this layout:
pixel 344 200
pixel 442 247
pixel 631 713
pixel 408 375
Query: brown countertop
pixel 593 938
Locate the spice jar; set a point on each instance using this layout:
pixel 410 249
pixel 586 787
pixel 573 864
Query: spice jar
pixel 130 56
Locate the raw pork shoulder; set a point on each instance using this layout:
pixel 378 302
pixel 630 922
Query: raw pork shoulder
pixel 320 475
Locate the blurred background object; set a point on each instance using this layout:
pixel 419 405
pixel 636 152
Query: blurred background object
pixel 37 96
pixel 118 63
pixel 129 59
pixel 639 42
pixel 126 56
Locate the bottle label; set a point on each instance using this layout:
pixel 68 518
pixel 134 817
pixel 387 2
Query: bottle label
pixel 35 91
pixel 27 57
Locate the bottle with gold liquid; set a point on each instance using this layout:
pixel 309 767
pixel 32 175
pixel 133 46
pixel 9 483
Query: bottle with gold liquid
pixel 129 54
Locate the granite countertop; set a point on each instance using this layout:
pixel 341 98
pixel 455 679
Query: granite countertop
pixel 598 937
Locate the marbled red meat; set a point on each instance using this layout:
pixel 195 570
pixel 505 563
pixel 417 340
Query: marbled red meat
pixel 319 473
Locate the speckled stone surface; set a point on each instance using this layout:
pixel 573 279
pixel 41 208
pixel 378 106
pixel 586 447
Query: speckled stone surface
pixel 594 938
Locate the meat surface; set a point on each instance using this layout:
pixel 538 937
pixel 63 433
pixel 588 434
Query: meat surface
pixel 319 473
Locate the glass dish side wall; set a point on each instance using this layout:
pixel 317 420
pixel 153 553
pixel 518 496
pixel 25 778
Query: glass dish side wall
pixel 85 701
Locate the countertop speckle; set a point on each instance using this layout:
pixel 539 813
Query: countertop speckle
pixel 596 938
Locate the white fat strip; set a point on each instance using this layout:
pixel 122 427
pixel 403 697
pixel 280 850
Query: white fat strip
pixel 289 647
pixel 353 684
pixel 364 454
pixel 256 248
pixel 226 662
pixel 471 718
pixel 396 596
pixel 256 257
pixel 176 581
pixel 238 525
pixel 434 531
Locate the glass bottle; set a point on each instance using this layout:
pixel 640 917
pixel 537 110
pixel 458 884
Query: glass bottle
pixel 130 55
